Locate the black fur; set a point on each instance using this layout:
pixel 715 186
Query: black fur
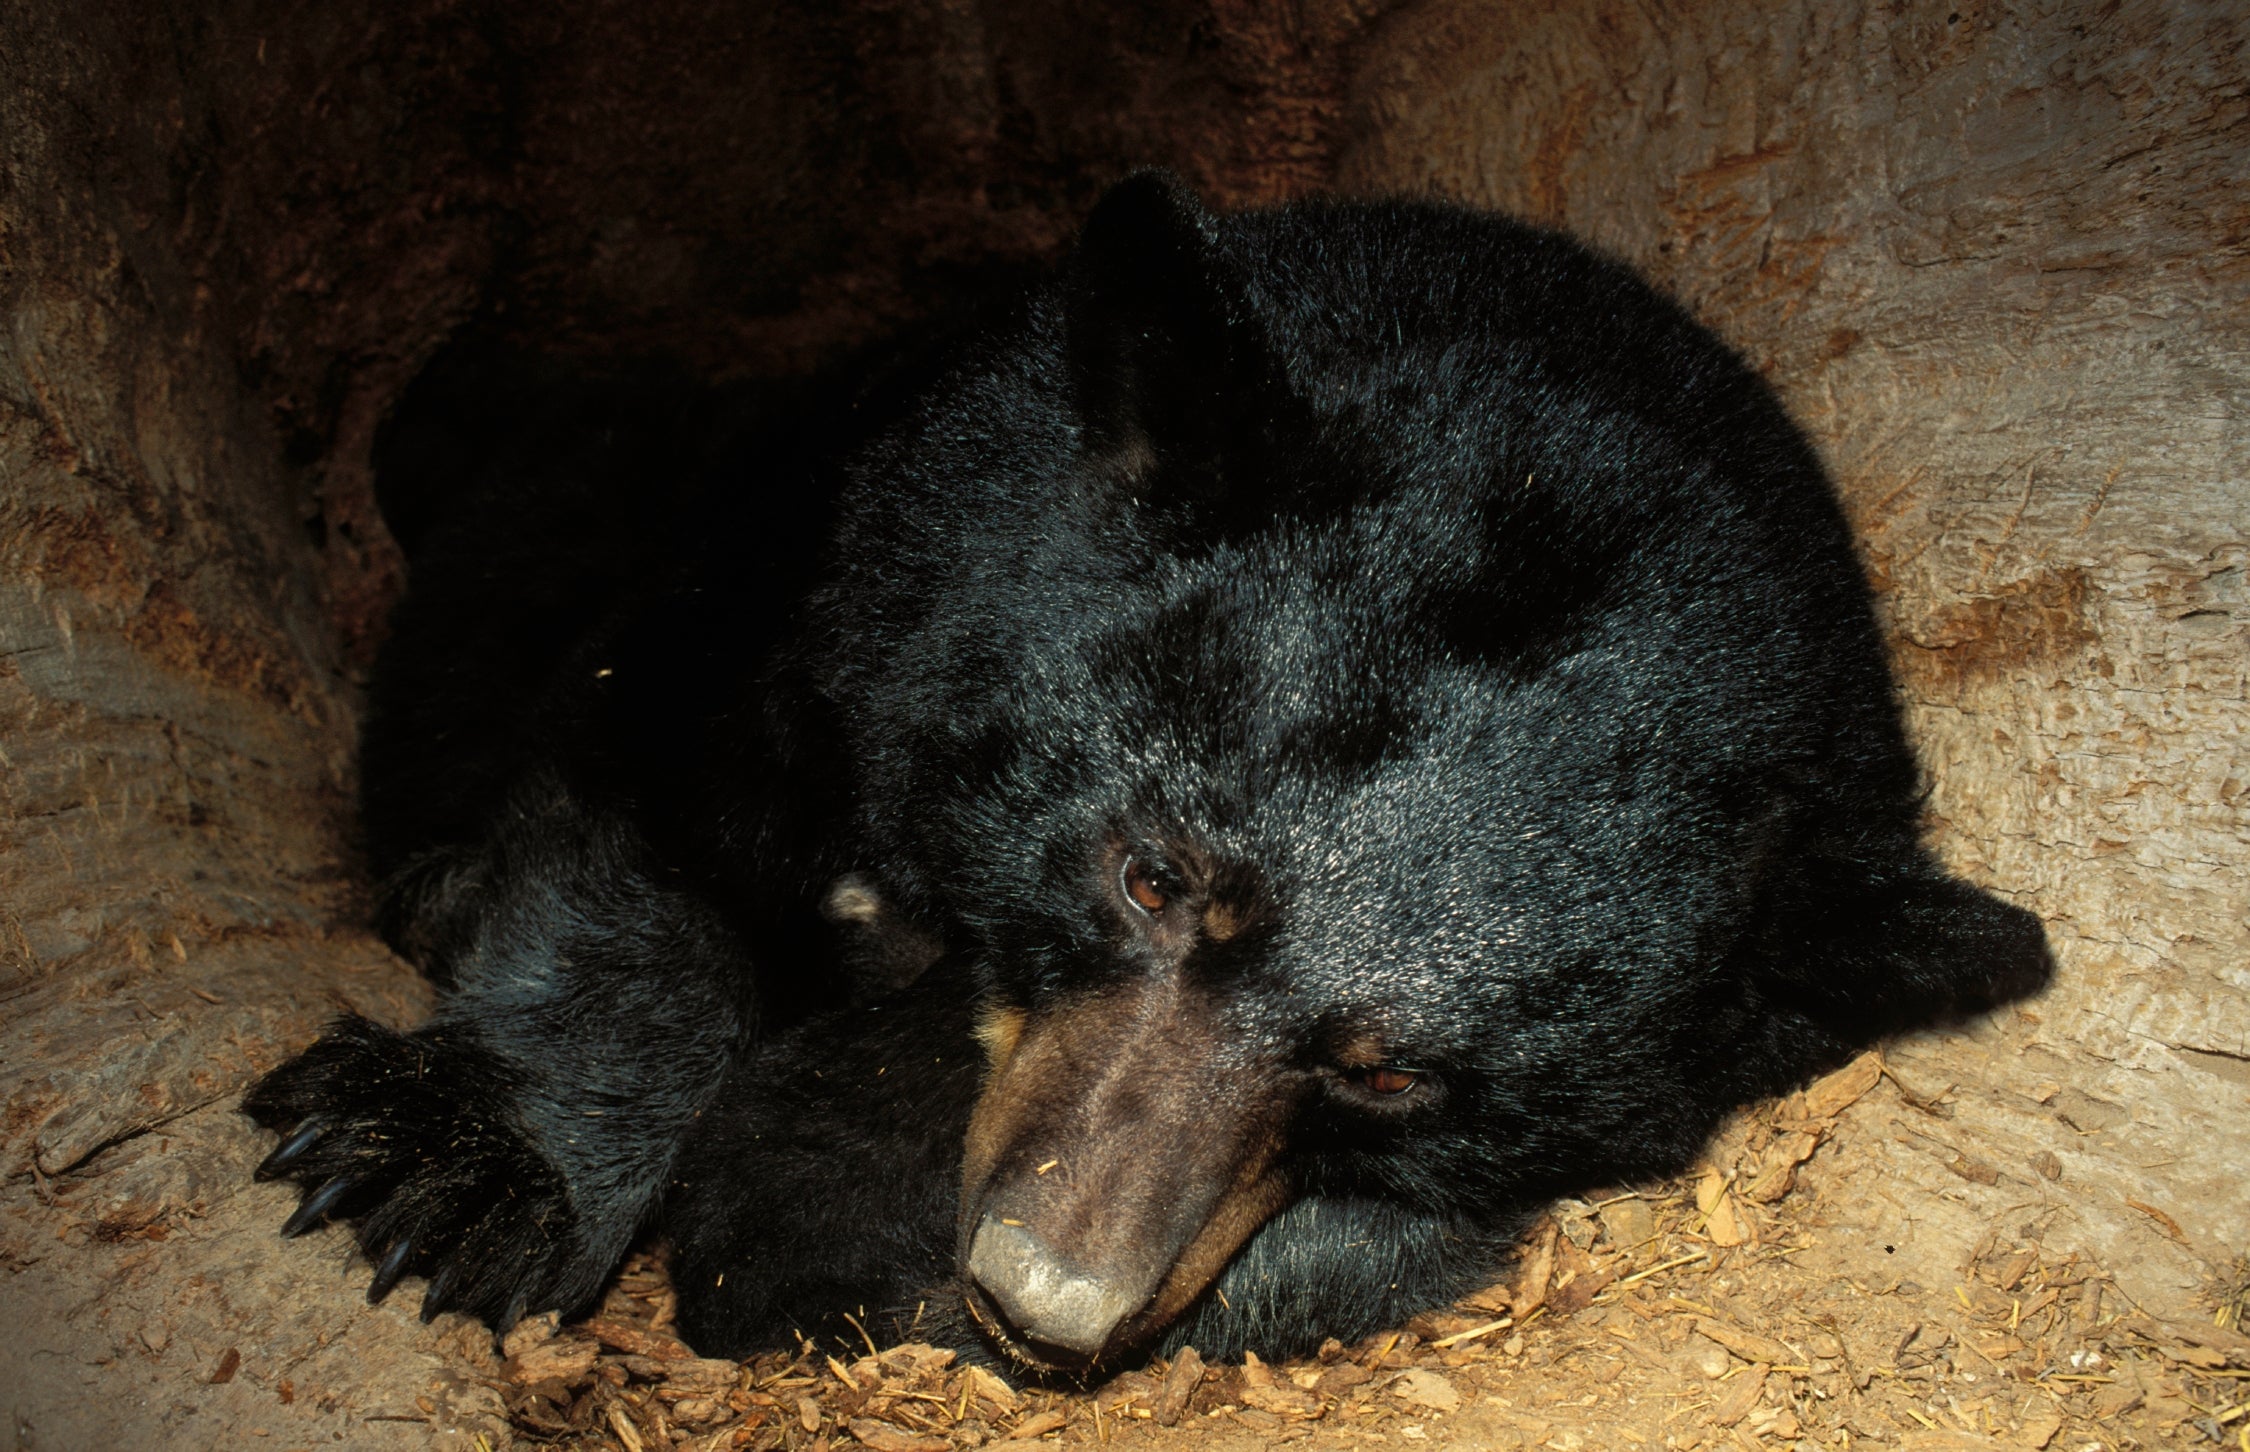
pixel 1477 610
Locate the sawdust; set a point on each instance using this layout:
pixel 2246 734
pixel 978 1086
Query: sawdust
pixel 1712 1311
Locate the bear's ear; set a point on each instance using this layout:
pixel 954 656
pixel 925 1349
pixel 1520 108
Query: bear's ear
pixel 1165 359
pixel 1870 953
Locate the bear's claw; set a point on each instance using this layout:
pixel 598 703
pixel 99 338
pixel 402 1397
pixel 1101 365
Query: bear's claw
pixel 314 1207
pixel 388 1268
pixel 292 1148
pixel 404 1135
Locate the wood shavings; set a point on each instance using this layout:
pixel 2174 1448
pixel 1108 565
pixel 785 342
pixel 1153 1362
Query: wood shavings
pixel 1538 1270
pixel 2164 1222
pixel 882 1437
pixel 1832 1094
pixel 1796 1359
pixel 1747 1344
pixel 1740 1398
pixel 1426 1389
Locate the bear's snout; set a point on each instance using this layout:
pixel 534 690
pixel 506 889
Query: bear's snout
pixel 1044 1298
pixel 1125 1146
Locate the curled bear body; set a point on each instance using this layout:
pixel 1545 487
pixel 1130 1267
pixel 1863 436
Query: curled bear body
pixel 1308 735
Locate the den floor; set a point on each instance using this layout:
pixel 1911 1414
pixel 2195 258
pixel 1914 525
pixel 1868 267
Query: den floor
pixel 1743 1307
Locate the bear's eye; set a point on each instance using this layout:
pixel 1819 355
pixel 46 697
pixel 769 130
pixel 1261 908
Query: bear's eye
pixel 1144 892
pixel 1385 1081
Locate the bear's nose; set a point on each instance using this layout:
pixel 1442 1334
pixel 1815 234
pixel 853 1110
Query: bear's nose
pixel 1044 1296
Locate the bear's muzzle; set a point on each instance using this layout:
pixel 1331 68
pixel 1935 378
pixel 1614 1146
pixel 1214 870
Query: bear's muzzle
pixel 1125 1146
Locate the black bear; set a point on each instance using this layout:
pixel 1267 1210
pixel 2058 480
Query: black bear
pixel 1310 734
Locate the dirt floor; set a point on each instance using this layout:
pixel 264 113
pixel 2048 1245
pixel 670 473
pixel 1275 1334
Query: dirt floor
pixel 1753 1304
pixel 1887 1258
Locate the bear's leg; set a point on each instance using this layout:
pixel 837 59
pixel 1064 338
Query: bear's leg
pixel 511 1149
pixel 1342 1267
pixel 825 1179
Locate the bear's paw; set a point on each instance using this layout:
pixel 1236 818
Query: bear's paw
pixel 409 1136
